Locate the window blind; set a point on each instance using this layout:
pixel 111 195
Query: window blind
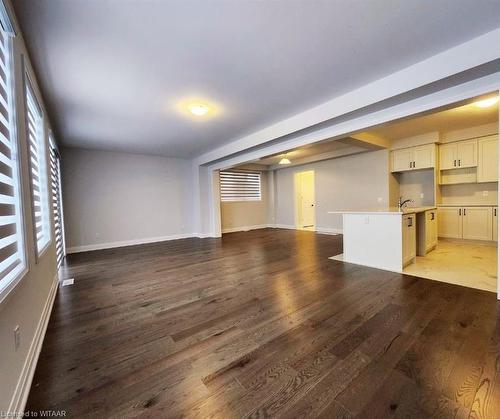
pixel 239 185
pixel 55 182
pixel 38 171
pixel 12 257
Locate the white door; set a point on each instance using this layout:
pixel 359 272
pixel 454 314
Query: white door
pixel 467 153
pixel 306 211
pixel 450 222
pixel 448 156
pixel 402 160
pixel 487 164
pixel 423 156
pixel 477 223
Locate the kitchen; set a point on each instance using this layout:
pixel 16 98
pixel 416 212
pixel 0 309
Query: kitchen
pixel 441 222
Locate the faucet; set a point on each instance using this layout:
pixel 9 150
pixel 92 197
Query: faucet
pixel 402 203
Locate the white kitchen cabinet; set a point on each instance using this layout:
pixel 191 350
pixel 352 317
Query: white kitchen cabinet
pixel 460 154
pixel 424 156
pixel 402 160
pixel 472 223
pixel 413 158
pixel 495 224
pixel 477 223
pixel 427 231
pixel 448 156
pixel 409 239
pixel 487 165
pixel 450 222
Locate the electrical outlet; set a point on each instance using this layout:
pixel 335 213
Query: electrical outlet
pixel 367 220
pixel 485 193
pixel 17 337
pixel 422 195
pixel 380 199
pixel 97 235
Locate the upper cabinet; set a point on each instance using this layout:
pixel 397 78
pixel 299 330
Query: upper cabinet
pixel 487 168
pixel 457 155
pixel 413 158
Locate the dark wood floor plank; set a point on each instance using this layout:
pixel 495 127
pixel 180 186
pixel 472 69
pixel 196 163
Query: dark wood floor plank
pixel 263 324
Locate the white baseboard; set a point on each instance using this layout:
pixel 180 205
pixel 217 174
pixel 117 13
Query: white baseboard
pixel 287 226
pixel 325 230
pixel 20 397
pixel 111 245
pixel 244 228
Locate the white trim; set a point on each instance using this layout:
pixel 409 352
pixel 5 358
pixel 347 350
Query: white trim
pixel 20 397
pixel 287 226
pixel 244 228
pixel 326 230
pixel 111 245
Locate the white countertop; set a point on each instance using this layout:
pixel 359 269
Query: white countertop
pixel 385 210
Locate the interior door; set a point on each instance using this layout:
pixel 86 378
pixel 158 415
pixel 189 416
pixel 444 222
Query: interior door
pixel 305 196
pixel 450 222
pixel 477 223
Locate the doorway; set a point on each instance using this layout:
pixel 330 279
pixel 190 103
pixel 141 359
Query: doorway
pixel 305 211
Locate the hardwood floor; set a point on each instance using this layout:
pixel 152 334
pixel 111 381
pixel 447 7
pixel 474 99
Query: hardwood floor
pixel 263 324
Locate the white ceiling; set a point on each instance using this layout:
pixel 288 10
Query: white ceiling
pixel 443 121
pixel 113 71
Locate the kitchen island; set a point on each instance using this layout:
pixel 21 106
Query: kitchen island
pixel 388 238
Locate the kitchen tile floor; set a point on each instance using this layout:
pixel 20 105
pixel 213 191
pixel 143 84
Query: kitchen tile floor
pixel 463 263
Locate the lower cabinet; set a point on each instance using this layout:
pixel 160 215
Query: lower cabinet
pixel 495 223
pixel 409 239
pixel 473 223
pixel 427 236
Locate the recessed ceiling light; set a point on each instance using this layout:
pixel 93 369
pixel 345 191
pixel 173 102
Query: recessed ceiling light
pixel 198 109
pixel 486 103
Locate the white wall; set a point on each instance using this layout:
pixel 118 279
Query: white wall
pixel 345 183
pixel 244 215
pixel 28 304
pixel 115 198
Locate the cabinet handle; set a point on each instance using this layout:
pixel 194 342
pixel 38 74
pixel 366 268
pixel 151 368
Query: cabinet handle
pixel 464 211
pixel 495 212
pixel 459 164
pixel 410 222
pixel 460 211
pixel 454 163
pixel 432 216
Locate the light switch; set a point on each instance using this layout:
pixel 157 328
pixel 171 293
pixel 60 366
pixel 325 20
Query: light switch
pixel 367 220
pixel 422 195
pixel 380 199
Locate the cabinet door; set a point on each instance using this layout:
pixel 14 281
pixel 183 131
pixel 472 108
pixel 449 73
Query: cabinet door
pixel 487 163
pixel 495 223
pixel 477 223
pixel 467 153
pixel 409 239
pixel 448 156
pixel 402 159
pixel 450 222
pixel 430 229
pixel 424 156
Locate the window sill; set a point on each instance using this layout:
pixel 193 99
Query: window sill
pixel 8 291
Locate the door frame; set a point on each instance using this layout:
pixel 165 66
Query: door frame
pixel 296 197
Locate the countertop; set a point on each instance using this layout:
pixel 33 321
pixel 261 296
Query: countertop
pixel 385 211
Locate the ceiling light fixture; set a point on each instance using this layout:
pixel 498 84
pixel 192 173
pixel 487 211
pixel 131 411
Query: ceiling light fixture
pixel 486 103
pixel 198 109
pixel 284 160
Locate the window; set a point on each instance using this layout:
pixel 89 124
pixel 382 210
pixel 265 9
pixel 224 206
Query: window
pixel 12 254
pixel 239 185
pixel 55 181
pixel 38 171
